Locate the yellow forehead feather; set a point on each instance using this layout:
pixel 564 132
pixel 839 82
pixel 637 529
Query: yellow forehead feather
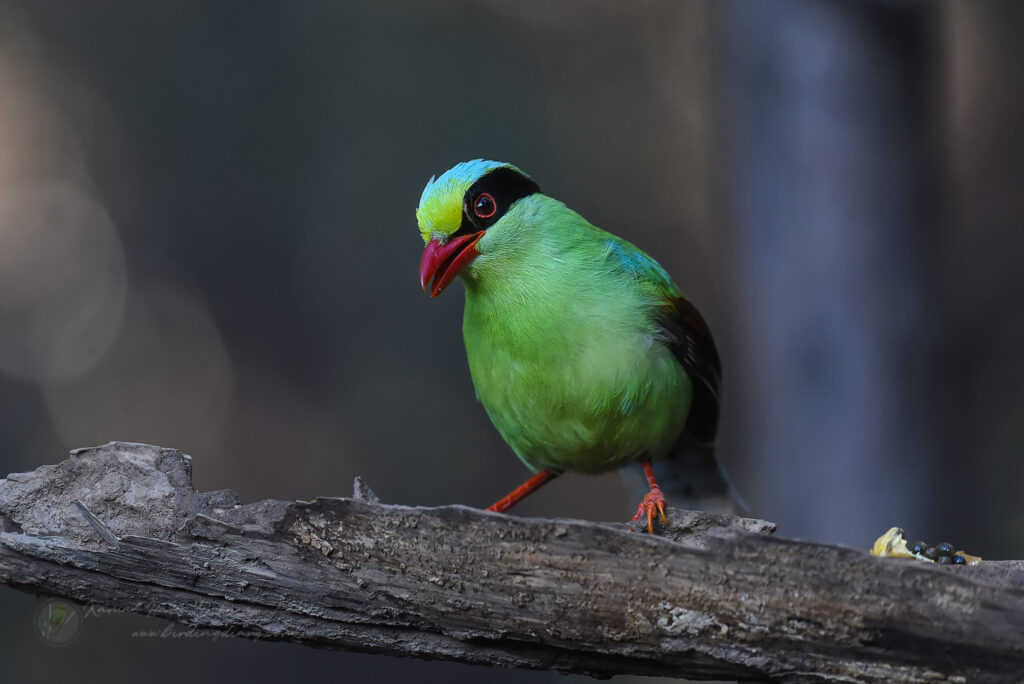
pixel 440 210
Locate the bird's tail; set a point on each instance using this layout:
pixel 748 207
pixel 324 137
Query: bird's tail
pixel 691 478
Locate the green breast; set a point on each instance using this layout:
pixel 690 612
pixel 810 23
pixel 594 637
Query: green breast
pixel 571 373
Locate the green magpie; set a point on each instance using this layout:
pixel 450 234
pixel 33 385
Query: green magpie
pixel 582 350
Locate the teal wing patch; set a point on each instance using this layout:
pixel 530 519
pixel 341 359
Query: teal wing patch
pixel 631 260
pixel 685 333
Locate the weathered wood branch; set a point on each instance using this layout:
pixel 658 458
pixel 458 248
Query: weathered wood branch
pixel 713 597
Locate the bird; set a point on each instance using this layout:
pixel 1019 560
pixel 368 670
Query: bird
pixel 58 616
pixel 582 350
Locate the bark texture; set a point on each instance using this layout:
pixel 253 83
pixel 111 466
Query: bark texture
pixel 712 596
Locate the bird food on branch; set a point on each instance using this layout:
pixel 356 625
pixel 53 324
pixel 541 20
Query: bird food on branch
pixel 893 544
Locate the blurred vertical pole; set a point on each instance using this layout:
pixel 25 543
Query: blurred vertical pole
pixel 983 253
pixel 824 115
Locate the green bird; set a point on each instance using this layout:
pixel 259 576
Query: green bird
pixel 58 616
pixel 582 350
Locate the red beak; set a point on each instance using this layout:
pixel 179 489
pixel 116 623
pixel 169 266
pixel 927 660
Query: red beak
pixel 441 263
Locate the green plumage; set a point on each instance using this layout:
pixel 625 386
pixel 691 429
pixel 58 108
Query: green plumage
pixel 582 350
pixel 563 342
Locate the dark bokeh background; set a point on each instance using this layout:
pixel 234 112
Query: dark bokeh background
pixel 207 241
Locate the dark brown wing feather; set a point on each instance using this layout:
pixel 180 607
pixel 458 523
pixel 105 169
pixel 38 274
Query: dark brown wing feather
pixel 689 338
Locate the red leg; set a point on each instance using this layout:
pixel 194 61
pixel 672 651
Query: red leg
pixel 533 484
pixel 653 501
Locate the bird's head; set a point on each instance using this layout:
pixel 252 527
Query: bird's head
pixel 458 210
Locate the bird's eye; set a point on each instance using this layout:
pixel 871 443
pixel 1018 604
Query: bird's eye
pixel 484 206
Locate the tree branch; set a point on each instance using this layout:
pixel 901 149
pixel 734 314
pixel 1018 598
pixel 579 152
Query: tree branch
pixel 714 597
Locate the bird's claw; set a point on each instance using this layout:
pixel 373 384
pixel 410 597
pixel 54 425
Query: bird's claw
pixel 653 501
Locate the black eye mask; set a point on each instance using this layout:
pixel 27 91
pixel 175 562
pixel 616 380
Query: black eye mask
pixel 489 198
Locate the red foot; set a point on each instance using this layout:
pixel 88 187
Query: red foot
pixel 653 501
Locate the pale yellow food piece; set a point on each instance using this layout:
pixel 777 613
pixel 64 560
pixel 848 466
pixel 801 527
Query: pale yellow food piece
pixel 892 545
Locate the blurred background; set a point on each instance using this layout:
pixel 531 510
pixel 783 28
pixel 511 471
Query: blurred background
pixel 207 241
